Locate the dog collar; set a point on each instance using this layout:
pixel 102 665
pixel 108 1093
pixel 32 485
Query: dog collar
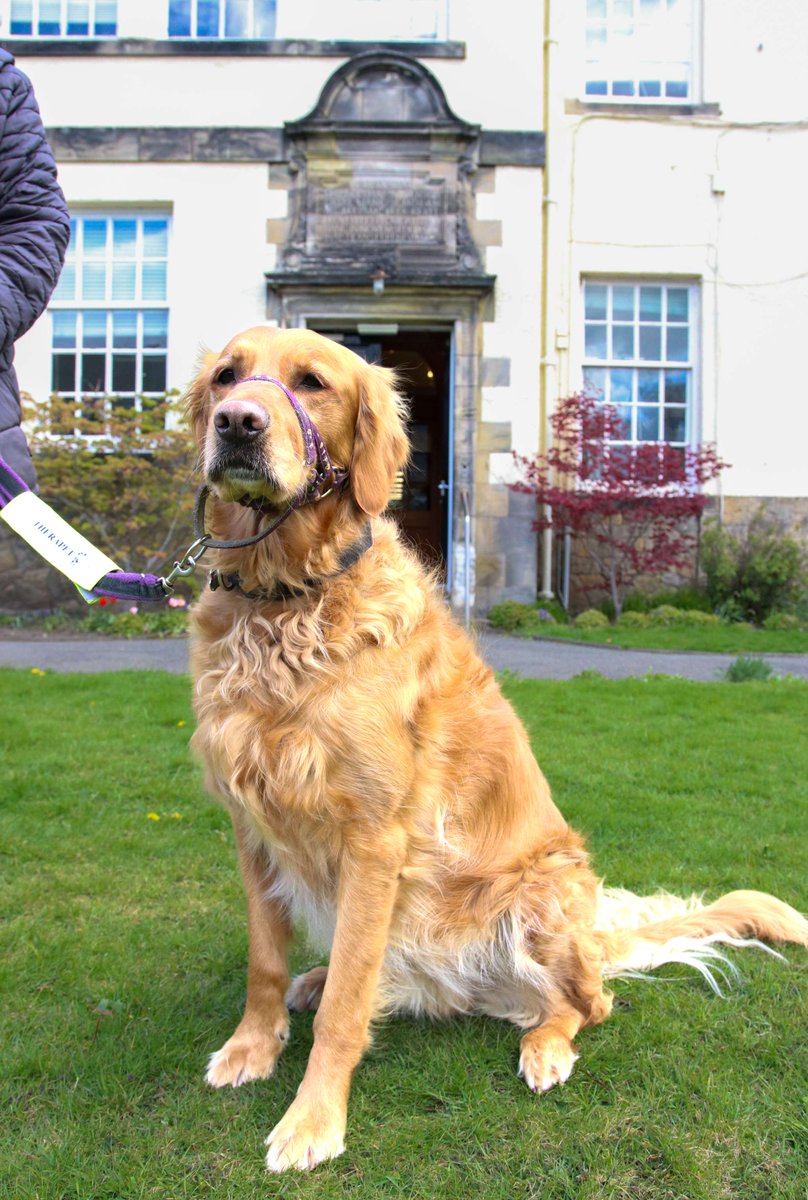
pixel 231 582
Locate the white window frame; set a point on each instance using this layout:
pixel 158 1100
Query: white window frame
pixel 108 305
pixel 221 34
pixel 634 363
pixel 65 14
pixel 630 69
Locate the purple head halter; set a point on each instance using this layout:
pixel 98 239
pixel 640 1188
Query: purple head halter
pixel 324 476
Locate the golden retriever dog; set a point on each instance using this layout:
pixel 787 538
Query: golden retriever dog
pixel 383 791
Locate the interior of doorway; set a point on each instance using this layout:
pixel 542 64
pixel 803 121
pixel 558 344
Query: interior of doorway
pixel 421 359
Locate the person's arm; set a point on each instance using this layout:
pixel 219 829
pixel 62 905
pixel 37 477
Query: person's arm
pixel 34 221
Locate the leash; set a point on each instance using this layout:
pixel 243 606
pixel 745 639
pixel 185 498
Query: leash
pixel 95 575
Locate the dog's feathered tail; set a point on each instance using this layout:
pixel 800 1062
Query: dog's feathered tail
pixel 639 933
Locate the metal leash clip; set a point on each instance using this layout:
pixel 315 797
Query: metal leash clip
pixel 187 563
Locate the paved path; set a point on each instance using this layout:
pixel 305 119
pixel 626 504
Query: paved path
pixel 546 659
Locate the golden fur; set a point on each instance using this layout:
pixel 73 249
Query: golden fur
pixel 380 786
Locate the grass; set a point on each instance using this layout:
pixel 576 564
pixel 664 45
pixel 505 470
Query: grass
pixel 723 638
pixel 124 951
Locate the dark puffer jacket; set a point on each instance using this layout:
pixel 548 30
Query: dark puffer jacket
pixel 34 232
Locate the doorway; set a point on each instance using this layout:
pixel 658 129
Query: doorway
pixel 421 499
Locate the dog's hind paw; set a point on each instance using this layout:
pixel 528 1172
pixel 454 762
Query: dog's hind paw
pixel 246 1057
pixel 546 1060
pixel 306 991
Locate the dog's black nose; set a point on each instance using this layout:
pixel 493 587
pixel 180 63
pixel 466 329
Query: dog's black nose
pixel 240 420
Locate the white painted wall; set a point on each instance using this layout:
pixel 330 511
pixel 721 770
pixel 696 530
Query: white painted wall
pixel 218 252
pixel 718 198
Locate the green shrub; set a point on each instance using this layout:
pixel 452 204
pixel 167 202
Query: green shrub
pixel 744 669
pixel 666 614
pixel 634 620
pixel 695 617
pixel 782 620
pixel 591 618
pixel 510 614
pixel 752 574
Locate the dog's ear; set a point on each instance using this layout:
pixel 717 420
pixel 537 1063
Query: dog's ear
pixel 381 447
pixel 195 397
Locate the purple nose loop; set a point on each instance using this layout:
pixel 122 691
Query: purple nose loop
pixel 324 476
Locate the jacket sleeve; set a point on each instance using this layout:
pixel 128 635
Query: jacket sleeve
pixel 34 222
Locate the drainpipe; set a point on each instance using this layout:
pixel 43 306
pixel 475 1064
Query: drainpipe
pixel 546 362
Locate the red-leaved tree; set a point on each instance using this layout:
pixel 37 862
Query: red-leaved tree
pixel 632 508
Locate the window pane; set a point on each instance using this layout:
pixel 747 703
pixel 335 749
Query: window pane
pixel 179 18
pixel 677 304
pixel 624 417
pixel 124 239
pixel 66 289
pixel 94 234
pixel 651 342
pixel 650 303
pixel 623 303
pixel 595 8
pixel 106 18
pixel 677 343
pixel 155 239
pixel 623 341
pixel 675 387
pixel 123 372
pixel 93 367
pixel 93 281
pixel 123 281
pixel 50 18
pixel 264 19
pixel 63 373
pixel 674 424
pixel 647 424
pixel 94 332
pixel 595 341
pixel 64 329
pixel 620 387
pixel 648 387
pixel 597 87
pixel 78 24
pixel 595 297
pixel 124 330
pixel 207 18
pixel 154 373
pixel 155 330
pixel 154 281
pixel 236 19
pixel 595 382
pixel 22 17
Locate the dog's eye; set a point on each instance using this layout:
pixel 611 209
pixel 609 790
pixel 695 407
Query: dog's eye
pixel 311 383
pixel 228 375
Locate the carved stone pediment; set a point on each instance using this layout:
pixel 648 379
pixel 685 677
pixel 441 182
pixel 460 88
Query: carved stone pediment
pixel 381 181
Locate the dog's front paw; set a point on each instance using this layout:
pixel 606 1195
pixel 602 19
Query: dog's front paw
pixel 247 1055
pixel 305 1136
pixel 546 1061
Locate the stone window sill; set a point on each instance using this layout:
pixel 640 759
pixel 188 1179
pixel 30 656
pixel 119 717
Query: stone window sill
pixel 220 48
pixel 645 109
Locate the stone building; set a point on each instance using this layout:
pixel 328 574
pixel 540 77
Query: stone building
pixel 348 167
pixel 506 203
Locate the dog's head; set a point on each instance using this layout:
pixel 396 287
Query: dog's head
pixel 250 438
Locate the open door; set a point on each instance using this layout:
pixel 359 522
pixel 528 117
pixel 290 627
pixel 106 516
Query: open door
pixel 421 359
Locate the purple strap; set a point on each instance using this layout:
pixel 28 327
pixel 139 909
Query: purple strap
pixel 325 476
pixel 125 585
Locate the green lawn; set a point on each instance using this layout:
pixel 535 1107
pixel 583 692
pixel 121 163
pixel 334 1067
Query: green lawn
pixel 723 639
pixel 123 967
